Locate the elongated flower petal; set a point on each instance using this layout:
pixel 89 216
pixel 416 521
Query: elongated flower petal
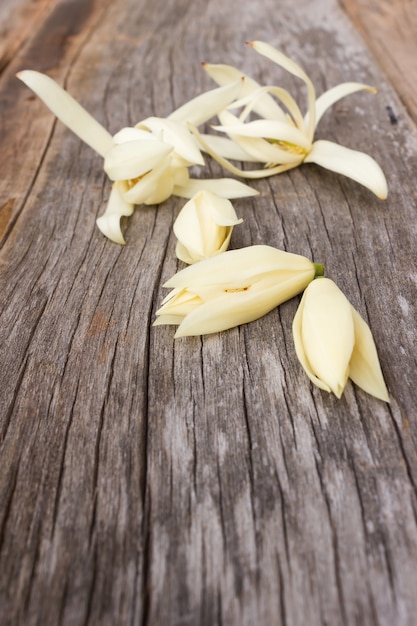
pixel 223 187
pixel 280 59
pixel 134 158
pixel 356 165
pixel 270 130
pixel 208 104
pixel 68 110
pixel 117 207
pixel 365 369
pixel 265 106
pixel 330 97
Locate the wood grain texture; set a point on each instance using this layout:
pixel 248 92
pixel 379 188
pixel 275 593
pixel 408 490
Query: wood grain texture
pixel 147 481
pixel 389 28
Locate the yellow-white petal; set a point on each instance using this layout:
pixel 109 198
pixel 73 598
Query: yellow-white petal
pixel 228 148
pixel 177 135
pixel 278 57
pixel 237 267
pixel 328 98
pixel 68 110
pixel 265 105
pixel 134 158
pixel 130 133
pixel 269 171
pixel 154 186
pixel 356 165
pixel 250 101
pixel 327 333
pixel 117 207
pixel 260 150
pixel 268 129
pixel 297 326
pixel 365 370
pixel 224 187
pixel 207 105
pixel 204 227
pixel 240 305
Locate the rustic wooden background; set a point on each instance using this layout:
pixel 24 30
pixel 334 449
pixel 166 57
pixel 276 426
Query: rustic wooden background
pixel 147 481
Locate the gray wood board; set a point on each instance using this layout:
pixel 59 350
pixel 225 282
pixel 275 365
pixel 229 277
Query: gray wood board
pixel 202 480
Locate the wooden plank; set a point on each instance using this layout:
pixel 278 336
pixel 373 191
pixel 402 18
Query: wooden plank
pixel 389 28
pixel 203 480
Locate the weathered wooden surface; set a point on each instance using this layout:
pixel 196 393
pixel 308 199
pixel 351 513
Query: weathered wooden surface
pixel 198 481
pixel 389 27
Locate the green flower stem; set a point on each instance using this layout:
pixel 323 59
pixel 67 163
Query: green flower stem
pixel 319 270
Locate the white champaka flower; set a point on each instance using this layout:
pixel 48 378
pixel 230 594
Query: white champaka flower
pixel 149 162
pixel 282 138
pixel 204 227
pixel 233 288
pixel 334 343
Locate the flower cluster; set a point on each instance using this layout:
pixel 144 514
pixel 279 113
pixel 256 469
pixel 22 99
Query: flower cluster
pixel 147 163
pixel 221 289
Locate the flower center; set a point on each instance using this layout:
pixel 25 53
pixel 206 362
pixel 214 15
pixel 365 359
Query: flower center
pixel 288 147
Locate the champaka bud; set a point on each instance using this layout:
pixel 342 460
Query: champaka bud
pixel 334 343
pixel 233 288
pixel 204 227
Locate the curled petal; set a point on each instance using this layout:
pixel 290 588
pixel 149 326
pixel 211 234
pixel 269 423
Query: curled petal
pixel 365 369
pixel 155 186
pixel 134 158
pixel 208 104
pixel 176 134
pixel 117 207
pixel 265 106
pixel 356 165
pixel 223 187
pixel 328 98
pixel 130 133
pixel 278 57
pixel 68 110
pixel 249 102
